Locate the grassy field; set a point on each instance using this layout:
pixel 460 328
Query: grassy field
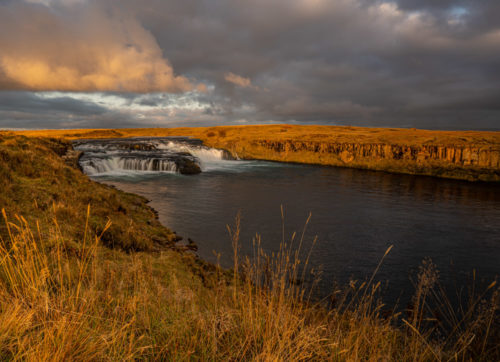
pixel 467 155
pixel 342 134
pixel 88 273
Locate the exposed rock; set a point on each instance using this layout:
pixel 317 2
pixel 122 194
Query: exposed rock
pixel 136 146
pixel 72 158
pixel 187 166
pixel 191 245
pixel 469 162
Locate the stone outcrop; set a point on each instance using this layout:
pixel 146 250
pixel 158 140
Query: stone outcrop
pixel 72 158
pixel 187 166
pixel 488 157
pixel 469 162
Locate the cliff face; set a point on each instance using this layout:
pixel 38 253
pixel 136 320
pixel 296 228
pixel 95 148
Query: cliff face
pixel 488 157
pixel 469 162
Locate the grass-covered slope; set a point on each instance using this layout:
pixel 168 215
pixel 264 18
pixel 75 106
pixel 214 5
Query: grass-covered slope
pixel 35 182
pixel 103 283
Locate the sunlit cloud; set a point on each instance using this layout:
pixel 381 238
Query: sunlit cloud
pixel 81 48
pixel 238 80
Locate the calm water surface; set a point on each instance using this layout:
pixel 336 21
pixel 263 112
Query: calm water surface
pixel 356 216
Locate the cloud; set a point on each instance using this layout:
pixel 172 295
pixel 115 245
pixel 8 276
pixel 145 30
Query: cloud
pixel 81 47
pixel 35 104
pixel 411 63
pixel 238 80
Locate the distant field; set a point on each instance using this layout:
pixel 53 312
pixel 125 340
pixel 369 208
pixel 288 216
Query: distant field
pixel 468 155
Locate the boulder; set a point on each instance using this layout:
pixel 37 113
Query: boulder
pixel 187 166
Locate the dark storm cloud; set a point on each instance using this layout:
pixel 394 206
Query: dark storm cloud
pixel 410 63
pixel 345 61
pixel 30 102
pixel 28 110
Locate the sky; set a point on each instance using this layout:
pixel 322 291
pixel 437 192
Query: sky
pixel 431 64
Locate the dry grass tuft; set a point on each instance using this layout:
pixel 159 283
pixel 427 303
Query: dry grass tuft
pixel 101 304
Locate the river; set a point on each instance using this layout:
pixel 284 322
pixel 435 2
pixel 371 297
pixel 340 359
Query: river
pixel 355 216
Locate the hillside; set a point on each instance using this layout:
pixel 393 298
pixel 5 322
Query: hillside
pixel 466 155
pixel 36 182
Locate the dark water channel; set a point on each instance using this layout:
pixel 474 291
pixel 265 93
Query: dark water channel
pixel 356 216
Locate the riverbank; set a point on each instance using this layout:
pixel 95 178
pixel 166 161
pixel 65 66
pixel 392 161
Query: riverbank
pixel 464 155
pixel 88 273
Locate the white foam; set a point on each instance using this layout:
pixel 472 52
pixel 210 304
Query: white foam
pixel 96 166
pixel 206 155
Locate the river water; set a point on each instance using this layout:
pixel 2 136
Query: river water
pixel 355 216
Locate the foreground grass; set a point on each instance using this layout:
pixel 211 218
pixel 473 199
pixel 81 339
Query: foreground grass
pixel 105 304
pixel 67 293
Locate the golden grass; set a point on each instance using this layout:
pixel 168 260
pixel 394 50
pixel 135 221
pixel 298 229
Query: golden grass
pixel 36 182
pixel 341 134
pixel 107 305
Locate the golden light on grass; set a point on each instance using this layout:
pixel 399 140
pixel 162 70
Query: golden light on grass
pixel 102 304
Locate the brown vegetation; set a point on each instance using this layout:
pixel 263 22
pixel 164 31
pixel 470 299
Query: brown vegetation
pixel 35 182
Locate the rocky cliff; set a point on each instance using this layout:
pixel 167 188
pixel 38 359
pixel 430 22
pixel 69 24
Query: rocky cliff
pixel 469 162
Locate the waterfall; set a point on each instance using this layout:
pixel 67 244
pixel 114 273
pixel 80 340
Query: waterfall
pixel 95 166
pixel 204 154
pixel 166 154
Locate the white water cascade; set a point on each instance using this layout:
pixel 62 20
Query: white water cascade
pixel 116 163
pixel 140 155
pixel 204 154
